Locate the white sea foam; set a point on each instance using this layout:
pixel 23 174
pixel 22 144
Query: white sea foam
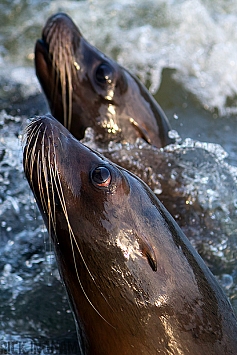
pixel 197 38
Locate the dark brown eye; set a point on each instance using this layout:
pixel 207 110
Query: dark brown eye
pixel 101 176
pixel 104 74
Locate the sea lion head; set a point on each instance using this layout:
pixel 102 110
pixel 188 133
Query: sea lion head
pixel 85 88
pixel 135 283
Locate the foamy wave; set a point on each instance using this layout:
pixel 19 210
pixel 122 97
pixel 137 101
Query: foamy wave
pixel 197 38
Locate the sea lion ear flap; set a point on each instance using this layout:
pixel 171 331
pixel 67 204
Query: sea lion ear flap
pixel 148 252
pixel 151 257
pixel 141 130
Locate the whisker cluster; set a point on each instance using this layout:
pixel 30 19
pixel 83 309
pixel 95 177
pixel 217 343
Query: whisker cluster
pixel 40 165
pixel 60 49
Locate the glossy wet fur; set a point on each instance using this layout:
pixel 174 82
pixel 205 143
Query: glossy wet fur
pixel 85 88
pixel 135 283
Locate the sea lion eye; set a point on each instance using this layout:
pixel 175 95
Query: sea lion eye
pixel 104 74
pixel 101 176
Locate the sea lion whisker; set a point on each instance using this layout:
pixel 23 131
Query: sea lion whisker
pixel 51 36
pixel 64 69
pixel 55 51
pixel 40 186
pixel 60 141
pixel 64 208
pixel 53 211
pixel 43 179
pixel 92 277
pixel 56 81
pixel 79 280
pixel 32 154
pixel 29 134
pixel 62 73
pixel 64 99
pixel 44 172
pixel 69 91
pixel 49 180
pixel 52 177
pixel 41 167
pixel 62 79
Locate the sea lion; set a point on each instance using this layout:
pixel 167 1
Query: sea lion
pixel 85 88
pixel 135 283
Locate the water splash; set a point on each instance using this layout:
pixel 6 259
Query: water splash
pixel 195 38
pixel 28 271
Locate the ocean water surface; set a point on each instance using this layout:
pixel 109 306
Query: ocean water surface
pixel 185 52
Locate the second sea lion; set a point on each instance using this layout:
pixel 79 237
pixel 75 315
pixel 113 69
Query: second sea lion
pixel 135 283
pixel 85 88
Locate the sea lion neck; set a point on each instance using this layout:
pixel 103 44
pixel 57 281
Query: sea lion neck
pixel 135 283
